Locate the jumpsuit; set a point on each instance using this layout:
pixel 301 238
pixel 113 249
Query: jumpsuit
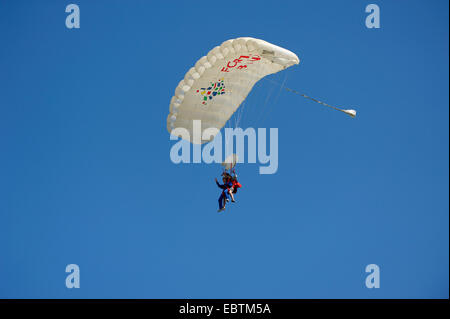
pixel 224 194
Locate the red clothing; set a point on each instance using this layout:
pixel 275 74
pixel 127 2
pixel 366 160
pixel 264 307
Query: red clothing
pixel 236 185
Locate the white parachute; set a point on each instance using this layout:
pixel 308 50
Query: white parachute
pixel 219 82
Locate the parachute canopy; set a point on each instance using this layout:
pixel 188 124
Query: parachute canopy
pixel 230 161
pixel 219 82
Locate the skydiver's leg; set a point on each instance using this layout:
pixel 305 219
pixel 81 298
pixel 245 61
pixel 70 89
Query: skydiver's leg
pixel 225 198
pixel 221 202
pixel 226 193
pixel 230 191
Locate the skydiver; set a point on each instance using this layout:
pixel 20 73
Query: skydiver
pixel 235 184
pixel 224 197
pixel 233 189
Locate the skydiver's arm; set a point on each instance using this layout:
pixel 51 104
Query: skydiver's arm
pixel 220 186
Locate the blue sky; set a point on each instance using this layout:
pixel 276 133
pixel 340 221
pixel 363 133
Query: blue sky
pixel 86 178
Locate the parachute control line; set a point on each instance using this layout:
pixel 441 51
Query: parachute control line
pixel 352 113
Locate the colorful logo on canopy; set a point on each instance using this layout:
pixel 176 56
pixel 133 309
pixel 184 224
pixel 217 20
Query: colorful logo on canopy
pixel 213 90
pixel 241 62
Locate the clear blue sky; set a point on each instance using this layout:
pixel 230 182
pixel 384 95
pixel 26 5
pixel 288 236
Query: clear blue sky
pixel 86 178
